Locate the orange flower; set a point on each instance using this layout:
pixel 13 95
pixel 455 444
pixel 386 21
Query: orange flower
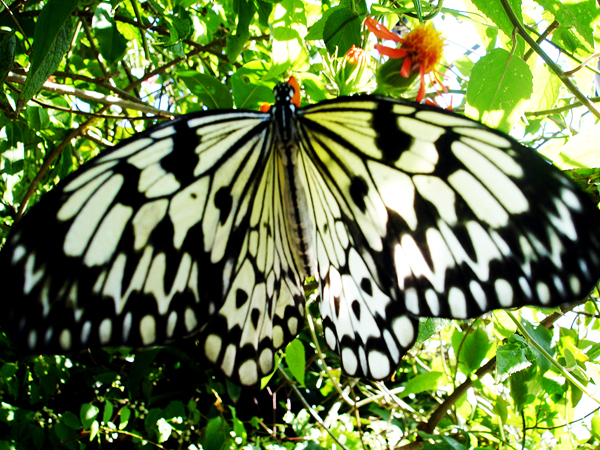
pixel 422 50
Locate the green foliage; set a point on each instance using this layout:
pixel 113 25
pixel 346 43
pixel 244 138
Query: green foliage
pixel 81 75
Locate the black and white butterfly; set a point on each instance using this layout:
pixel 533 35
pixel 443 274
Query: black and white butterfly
pixel 211 223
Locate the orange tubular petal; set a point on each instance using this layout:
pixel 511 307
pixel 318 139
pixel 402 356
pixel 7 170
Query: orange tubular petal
pixel 405 70
pixel 380 31
pixel 294 83
pixel 421 94
pixel 391 52
pixel 264 107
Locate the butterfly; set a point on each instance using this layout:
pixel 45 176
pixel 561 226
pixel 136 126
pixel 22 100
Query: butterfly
pixel 209 225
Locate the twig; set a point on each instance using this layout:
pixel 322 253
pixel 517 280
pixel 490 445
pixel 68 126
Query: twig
pixel 551 64
pixel 93 96
pixel 309 408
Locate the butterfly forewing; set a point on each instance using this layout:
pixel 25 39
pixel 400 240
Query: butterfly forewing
pixel 156 238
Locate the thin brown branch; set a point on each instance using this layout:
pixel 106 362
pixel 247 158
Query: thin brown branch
pixel 440 411
pixel 542 37
pixel 84 94
pixel 551 64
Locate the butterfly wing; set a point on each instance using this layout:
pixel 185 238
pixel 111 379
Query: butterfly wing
pixel 423 213
pixel 154 240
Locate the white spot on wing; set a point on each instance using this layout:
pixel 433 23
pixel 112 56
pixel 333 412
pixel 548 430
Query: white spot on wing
pixel 76 201
pixel 65 339
pixel 146 219
pixel 497 156
pixel 86 176
pixel 575 284
pixel 266 360
pixel 504 292
pixel 496 181
pixel 379 365
pixel 18 254
pixel 479 295
pixel 404 331
pixel 148 329
pixel 126 150
pixel 31 277
pixel 190 320
pixel 349 361
pixel 248 373
pixel 483 204
pixel 187 208
pixel 107 238
pixel 543 292
pixel 152 154
pixel 105 331
pixel 84 225
pixel 436 191
pixel 212 347
pixel 171 323
pixel 458 303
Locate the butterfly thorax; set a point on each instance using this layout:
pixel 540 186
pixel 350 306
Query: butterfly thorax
pixel 298 224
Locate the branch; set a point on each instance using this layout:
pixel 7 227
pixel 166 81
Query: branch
pixel 439 413
pixel 551 64
pixel 84 94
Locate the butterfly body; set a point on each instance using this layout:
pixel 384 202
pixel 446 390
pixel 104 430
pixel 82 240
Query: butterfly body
pixel 210 224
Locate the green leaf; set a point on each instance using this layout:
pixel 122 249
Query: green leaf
pixel 543 337
pixel 429 326
pixel 124 415
pixel 111 43
pixel 316 30
pixel 427 381
pixel 475 347
pixel 7 55
pixel 70 420
pixel 502 324
pixel 214 436
pixel 244 10
pixel 519 390
pixel 238 426
pixel 580 151
pixel 139 369
pixel 210 91
pixel 67 435
pixel 296 359
pixel 248 95
pixel 342 30
pixel 52 39
pixel 264 9
pixel 499 87
pixel 596 426
pixel 514 356
pixel 577 17
pixel 107 415
pixel 496 13
pixel 37 117
pixel 88 414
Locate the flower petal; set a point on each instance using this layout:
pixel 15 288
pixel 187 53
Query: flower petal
pixel 391 52
pixel 380 31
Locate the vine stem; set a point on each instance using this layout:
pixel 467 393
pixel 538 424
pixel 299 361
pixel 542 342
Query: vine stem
pixel 561 369
pixel 309 408
pixel 553 66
